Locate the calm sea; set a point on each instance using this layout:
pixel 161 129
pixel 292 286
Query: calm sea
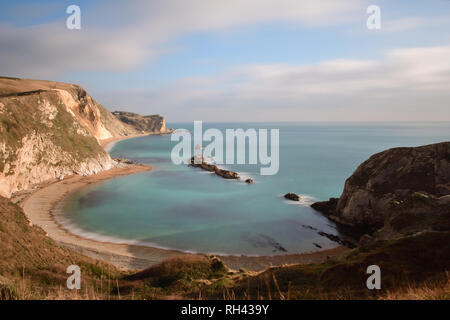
pixel 192 210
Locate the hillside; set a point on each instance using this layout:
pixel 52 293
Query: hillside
pixel 33 266
pixel 403 190
pixel 51 129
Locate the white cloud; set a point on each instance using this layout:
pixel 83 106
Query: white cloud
pixel 405 84
pixel 403 24
pixel 121 36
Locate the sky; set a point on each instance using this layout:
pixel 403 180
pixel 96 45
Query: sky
pixel 246 60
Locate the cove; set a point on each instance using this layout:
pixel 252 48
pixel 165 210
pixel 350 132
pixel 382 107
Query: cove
pixel 192 210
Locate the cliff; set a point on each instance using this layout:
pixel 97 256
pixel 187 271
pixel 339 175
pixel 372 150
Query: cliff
pixel 401 190
pixel 143 124
pixel 91 115
pixel 50 130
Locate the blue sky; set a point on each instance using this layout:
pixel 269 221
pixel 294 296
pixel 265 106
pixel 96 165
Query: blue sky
pixel 286 60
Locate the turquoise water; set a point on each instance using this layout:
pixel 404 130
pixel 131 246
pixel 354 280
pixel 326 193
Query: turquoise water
pixel 189 209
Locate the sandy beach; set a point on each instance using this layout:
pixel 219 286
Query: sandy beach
pixel 47 201
pixel 42 206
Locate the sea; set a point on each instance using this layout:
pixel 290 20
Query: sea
pixel 192 210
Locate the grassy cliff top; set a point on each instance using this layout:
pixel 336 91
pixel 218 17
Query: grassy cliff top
pixel 13 86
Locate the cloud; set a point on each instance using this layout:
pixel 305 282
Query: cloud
pixel 404 24
pixel 404 84
pixel 119 37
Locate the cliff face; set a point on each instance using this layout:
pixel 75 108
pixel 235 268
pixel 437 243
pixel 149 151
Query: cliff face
pixel 143 124
pixel 400 186
pixel 41 138
pixel 51 130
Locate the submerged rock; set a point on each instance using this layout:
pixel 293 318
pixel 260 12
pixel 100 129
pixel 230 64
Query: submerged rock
pixel 337 239
pixel 292 196
pixel 308 227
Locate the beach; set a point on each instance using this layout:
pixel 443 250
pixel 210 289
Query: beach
pixel 47 201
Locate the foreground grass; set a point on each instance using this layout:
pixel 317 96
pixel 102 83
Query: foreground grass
pixel 32 266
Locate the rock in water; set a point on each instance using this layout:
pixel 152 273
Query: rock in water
pixel 292 196
pixel 226 174
pixel 249 181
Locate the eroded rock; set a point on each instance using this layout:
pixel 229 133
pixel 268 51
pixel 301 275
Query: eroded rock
pixel 403 186
pixel 226 174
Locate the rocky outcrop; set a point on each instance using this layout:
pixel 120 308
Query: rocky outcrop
pixel 400 190
pixel 143 124
pixel 226 174
pixel 292 196
pixel 326 207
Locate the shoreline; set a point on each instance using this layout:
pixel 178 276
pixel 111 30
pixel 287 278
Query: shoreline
pixel 44 204
pixel 108 144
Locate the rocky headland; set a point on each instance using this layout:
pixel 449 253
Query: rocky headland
pixel 143 124
pixel 396 193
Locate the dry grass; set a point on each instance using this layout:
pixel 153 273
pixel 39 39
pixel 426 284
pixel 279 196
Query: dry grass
pixel 32 266
pixel 432 290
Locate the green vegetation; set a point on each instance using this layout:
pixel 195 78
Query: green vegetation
pixel 22 117
pixel 79 146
